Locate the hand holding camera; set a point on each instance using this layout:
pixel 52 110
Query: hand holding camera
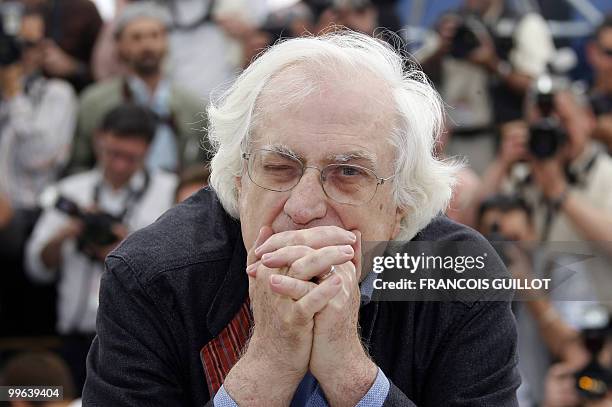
pixel 514 143
pixel 97 233
pixel 11 80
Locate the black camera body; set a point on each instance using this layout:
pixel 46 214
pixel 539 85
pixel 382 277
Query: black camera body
pixel 594 381
pixel 10 49
pixel 98 230
pixel 10 21
pixel 465 39
pixel 546 137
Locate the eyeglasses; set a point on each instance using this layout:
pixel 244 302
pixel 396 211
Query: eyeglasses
pixel 116 154
pixel 344 183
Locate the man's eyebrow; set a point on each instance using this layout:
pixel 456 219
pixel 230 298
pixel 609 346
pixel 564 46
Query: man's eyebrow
pixel 364 156
pixel 284 149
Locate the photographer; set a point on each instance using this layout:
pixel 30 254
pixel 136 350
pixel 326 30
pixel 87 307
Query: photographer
pixel 549 323
pixel 559 170
pixel 483 58
pixel 571 384
pixel 95 211
pixel 38 115
pixel 599 53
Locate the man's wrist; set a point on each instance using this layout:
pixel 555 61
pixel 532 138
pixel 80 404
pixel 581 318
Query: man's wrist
pixel 346 385
pixel 255 380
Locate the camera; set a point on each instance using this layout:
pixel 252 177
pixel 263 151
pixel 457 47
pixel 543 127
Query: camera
pixel 10 23
pixel 465 39
pixel 546 136
pixel 594 380
pixel 98 226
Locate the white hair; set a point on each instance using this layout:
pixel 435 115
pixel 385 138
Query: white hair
pixel 422 183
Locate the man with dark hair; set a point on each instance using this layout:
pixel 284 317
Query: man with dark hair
pixel 494 211
pixel 38 117
pixel 71 30
pixel 141 39
pixel 94 212
pixel 599 53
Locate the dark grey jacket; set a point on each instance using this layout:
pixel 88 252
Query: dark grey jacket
pixel 171 288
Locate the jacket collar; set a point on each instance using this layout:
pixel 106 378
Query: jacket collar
pixel 234 289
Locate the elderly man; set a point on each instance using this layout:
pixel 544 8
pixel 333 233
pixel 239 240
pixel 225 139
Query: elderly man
pixel 249 294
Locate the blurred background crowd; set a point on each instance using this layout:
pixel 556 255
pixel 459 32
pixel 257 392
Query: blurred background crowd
pixel 102 129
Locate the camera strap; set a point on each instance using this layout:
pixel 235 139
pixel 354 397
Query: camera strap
pixel 168 119
pixel 134 196
pixel 575 177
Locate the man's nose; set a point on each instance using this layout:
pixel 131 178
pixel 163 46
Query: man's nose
pixel 307 200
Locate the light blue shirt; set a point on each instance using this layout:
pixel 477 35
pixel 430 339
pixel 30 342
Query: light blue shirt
pixel 163 151
pixel 309 392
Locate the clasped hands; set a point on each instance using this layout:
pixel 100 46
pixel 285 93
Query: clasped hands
pixel 303 322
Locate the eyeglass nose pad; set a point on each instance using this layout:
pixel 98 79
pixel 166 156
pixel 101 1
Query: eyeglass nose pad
pixel 322 179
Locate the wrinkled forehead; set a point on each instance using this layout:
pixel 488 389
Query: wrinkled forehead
pixel 315 99
pixel 353 87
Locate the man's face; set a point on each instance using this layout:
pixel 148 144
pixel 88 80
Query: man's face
pixel 512 225
pixel 143 44
pixel 120 157
pixel 338 121
pixel 600 53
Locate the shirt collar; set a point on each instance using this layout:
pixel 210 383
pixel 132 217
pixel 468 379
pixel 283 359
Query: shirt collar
pixel 136 182
pixel 366 288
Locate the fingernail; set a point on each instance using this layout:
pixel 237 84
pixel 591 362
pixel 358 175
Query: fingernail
pixel 258 250
pixel 352 236
pixel 346 249
pixel 266 256
pixel 251 268
pixel 276 279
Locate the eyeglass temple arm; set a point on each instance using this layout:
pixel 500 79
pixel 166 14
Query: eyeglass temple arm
pixel 382 180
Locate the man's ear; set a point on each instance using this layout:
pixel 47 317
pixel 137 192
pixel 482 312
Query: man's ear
pixel 400 213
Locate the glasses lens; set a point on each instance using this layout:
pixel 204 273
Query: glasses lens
pixel 273 170
pixel 349 184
